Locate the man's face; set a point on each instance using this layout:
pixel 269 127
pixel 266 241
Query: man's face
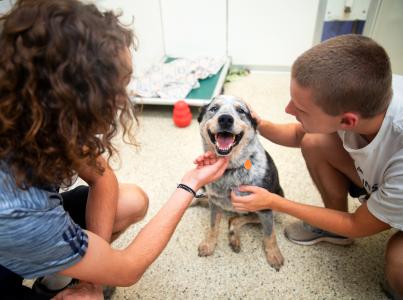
pixel 312 118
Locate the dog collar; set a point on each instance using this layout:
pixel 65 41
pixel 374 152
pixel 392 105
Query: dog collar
pixel 247 165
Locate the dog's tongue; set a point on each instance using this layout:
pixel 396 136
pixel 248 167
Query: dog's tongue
pixel 224 141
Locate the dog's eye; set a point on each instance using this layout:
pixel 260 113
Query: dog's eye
pixel 213 108
pixel 241 110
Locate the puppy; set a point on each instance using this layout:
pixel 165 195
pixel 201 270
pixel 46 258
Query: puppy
pixel 228 128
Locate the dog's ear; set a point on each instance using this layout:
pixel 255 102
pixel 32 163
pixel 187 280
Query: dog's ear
pixel 252 120
pixel 202 112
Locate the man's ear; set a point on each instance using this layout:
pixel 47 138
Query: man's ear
pixel 349 120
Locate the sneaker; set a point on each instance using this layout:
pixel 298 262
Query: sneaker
pixel 304 234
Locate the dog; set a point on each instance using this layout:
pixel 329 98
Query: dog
pixel 228 128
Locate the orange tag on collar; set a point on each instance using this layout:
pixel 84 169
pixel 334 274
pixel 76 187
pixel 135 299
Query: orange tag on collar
pixel 247 164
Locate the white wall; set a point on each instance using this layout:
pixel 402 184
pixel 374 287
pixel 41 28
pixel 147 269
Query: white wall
pixel 269 32
pixel 387 29
pixel 194 27
pixel 147 25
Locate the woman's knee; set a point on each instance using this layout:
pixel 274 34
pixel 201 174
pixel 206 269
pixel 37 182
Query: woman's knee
pixel 140 201
pixel 134 202
pixel 394 263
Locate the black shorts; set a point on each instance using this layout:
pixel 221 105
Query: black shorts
pixel 74 202
pixel 357 192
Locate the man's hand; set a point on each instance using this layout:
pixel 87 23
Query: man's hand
pixel 82 291
pixel 258 199
pixel 256 116
pixel 358 224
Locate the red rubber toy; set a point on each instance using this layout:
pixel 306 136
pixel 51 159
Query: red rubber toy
pixel 182 115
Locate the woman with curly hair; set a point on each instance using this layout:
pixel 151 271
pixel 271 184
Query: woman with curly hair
pixel 63 74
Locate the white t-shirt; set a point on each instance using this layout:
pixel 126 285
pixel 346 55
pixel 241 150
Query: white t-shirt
pixel 380 163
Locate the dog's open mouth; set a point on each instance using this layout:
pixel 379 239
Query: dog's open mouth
pixel 225 141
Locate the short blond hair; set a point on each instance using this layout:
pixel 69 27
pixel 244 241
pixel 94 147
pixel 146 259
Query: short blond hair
pixel 347 73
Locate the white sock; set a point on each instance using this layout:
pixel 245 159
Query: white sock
pixel 56 282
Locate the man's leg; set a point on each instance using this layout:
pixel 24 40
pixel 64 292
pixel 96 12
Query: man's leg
pixel 394 266
pixel 333 171
pixel 331 168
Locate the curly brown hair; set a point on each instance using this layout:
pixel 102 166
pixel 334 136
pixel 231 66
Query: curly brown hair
pixel 63 77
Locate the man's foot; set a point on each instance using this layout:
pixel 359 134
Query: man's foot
pixel 304 234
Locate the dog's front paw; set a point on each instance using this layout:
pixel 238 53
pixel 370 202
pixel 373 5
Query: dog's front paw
pixel 206 248
pixel 275 258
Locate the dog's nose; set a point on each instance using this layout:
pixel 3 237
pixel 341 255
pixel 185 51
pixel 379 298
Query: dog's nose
pixel 225 121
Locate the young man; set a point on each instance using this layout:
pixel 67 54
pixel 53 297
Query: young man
pixel 64 67
pixel 350 131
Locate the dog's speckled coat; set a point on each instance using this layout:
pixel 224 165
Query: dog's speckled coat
pixel 231 116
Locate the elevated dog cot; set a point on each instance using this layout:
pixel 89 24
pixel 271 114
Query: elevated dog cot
pixel 208 89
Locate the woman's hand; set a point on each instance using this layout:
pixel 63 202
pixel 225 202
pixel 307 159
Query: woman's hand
pixel 209 168
pixel 258 199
